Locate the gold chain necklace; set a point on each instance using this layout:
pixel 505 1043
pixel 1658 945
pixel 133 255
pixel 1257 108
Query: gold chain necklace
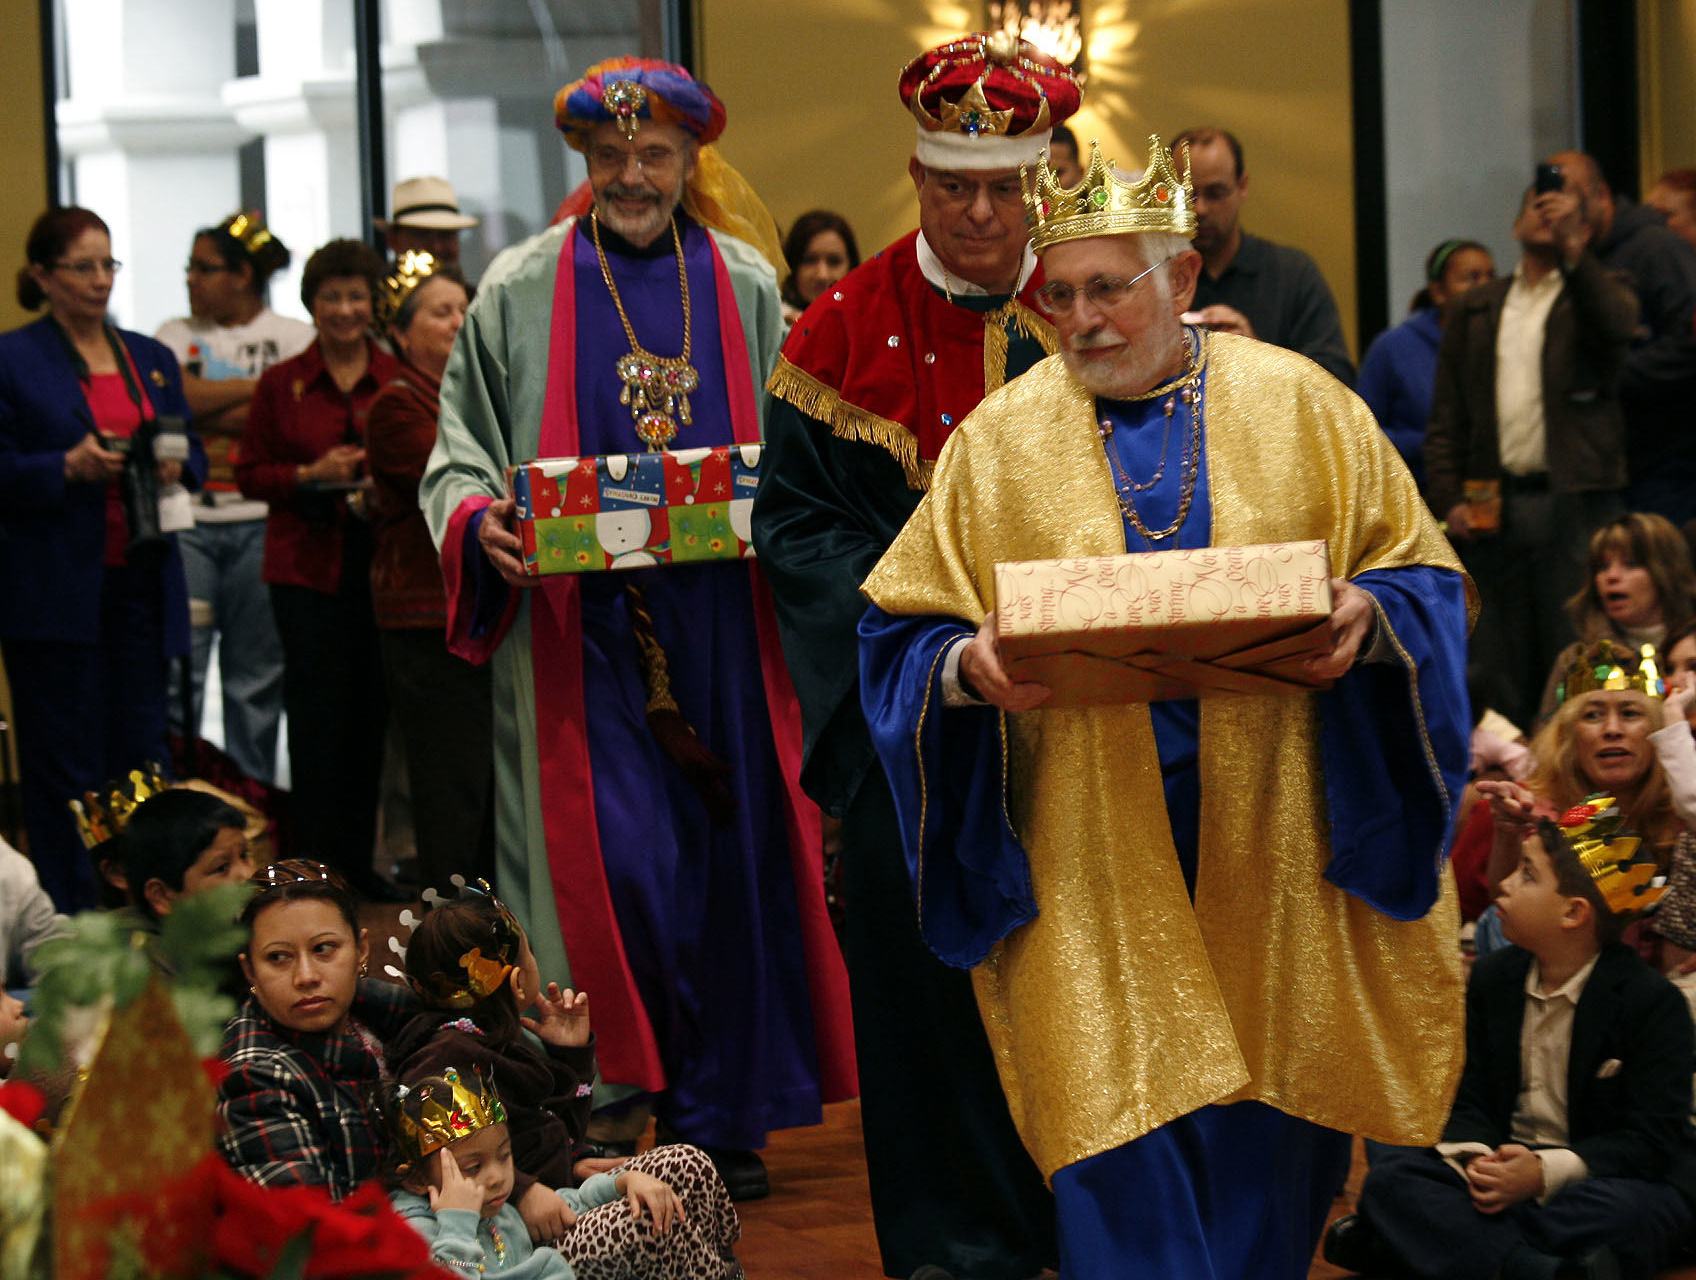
pixel 655 387
pixel 1186 387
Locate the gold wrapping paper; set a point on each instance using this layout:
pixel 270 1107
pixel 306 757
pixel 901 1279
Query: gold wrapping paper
pixel 1166 624
pixel 1120 1006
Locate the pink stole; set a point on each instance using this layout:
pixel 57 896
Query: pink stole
pixel 627 1050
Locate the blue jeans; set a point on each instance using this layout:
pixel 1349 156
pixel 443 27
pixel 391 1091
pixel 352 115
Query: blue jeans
pixel 222 564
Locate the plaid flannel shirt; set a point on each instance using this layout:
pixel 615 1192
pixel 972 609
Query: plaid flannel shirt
pixel 296 1107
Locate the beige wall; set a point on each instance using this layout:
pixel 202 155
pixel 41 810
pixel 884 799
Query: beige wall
pixel 1666 54
pixel 22 144
pixel 815 119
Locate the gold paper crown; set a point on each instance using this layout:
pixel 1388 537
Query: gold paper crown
pixel 1608 853
pixel 438 1110
pixel 412 269
pixel 1102 205
pixel 1610 665
pixel 248 230
pixel 102 815
pixel 479 975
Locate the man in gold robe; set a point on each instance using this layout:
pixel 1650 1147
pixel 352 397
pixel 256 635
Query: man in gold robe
pixel 1210 938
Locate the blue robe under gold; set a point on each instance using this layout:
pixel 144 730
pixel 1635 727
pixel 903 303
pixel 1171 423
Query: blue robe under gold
pixel 1316 970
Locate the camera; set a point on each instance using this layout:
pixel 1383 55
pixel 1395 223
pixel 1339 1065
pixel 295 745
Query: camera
pixel 163 439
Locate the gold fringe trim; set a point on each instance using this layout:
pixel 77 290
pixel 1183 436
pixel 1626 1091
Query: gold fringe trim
pixel 996 339
pixel 798 388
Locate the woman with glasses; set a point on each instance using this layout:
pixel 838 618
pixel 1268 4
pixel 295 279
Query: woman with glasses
pixel 295 1108
pixel 303 452
pixel 92 601
pixel 230 337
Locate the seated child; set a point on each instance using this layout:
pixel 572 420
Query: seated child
pixel 180 842
pixel 454 1181
pixel 27 917
pixel 1567 1151
pixel 469 960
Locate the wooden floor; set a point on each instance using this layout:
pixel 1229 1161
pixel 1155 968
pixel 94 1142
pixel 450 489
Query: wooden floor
pixel 817 1223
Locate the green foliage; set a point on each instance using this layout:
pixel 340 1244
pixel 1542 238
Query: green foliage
pixel 108 956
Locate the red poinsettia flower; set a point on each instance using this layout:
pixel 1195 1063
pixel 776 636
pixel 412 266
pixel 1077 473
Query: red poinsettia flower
pixel 22 1101
pixel 360 1236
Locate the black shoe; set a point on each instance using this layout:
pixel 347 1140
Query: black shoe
pixel 1600 1265
pixel 589 1149
pixel 1352 1244
pixel 743 1172
pixel 930 1272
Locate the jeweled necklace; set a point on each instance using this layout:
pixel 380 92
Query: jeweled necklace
pixel 655 387
pixel 1187 388
pixel 498 1242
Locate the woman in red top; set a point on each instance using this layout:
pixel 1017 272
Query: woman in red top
pixel 304 453
pixel 88 621
pixel 435 697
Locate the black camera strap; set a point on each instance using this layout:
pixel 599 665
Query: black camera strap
pixel 79 366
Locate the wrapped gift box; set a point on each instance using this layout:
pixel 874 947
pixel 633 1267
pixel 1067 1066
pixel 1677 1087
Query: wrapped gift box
pixel 1166 624
pixel 634 510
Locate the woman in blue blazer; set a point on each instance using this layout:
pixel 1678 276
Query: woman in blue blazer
pixel 87 624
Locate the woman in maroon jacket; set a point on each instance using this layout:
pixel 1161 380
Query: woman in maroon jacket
pixel 435 697
pixel 304 453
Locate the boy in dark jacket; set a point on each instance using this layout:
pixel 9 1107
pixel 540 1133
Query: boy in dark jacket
pixel 1568 1151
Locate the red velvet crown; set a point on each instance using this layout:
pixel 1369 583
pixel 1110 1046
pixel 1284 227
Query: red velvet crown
pixel 988 84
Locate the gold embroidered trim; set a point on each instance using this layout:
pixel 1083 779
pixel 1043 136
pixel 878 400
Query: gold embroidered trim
pixel 996 339
pixel 816 400
pixel 924 791
pixel 1419 715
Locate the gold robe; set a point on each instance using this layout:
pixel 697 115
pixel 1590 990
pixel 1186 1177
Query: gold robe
pixel 1121 1007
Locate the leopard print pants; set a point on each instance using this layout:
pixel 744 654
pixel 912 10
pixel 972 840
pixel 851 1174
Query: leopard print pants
pixel 609 1244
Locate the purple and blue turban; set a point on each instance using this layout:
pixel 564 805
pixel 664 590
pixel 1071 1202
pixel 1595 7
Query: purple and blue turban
pixel 627 91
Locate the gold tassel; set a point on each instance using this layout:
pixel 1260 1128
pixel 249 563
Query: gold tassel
pixel 656 670
pixel 795 387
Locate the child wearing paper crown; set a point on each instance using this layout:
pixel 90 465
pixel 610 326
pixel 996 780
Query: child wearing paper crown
pixel 454 1179
pixel 1567 1151
pixel 471 962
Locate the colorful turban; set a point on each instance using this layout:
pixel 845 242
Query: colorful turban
pixel 986 101
pixel 625 91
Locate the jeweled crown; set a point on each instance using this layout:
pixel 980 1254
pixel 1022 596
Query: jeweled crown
pixel 438 1110
pixel 1607 664
pixel 1609 853
pixel 1103 205
pixel 103 814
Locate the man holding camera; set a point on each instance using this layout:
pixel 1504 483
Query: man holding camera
pixel 1525 451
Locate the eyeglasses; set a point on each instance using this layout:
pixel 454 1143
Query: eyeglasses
pixel 87 267
pixel 613 159
pixel 196 267
pixel 291 871
pixel 1104 292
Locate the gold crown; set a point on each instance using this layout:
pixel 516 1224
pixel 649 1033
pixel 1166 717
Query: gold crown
pixel 1102 205
pixel 438 1110
pixel 102 815
pixel 1608 853
pixel 412 269
pixel 249 231
pixel 479 975
pixel 1610 665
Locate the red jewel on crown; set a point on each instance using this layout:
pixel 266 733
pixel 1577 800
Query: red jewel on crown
pixel 1161 193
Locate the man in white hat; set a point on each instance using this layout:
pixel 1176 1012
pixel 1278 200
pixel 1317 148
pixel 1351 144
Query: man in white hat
pixel 426 219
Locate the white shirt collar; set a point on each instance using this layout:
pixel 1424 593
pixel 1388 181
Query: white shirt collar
pixel 948 282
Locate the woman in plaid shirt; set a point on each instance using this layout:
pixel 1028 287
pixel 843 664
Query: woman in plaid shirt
pixel 296 1105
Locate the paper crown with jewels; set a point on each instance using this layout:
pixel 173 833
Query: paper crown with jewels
pixel 1103 205
pixel 1610 855
pixel 105 813
pixel 986 101
pixel 437 1110
pixel 481 970
pixel 1607 664
pixel 412 269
